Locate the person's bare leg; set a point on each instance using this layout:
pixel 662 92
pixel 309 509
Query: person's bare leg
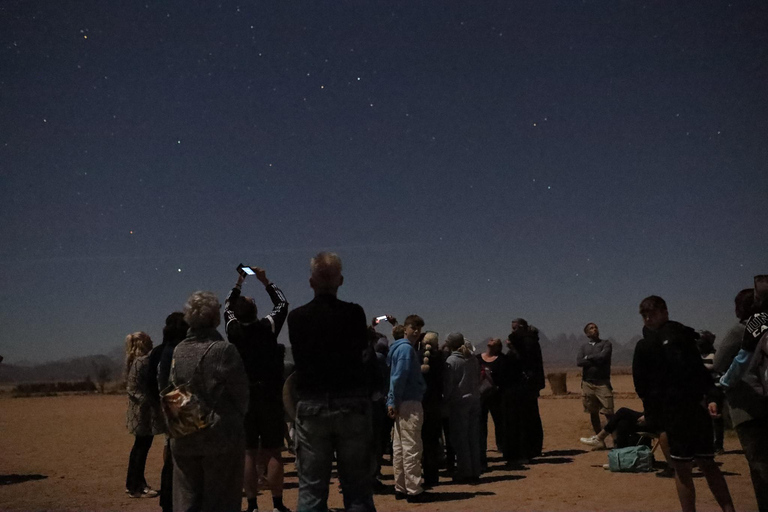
pixel 607 418
pixel 686 492
pixel 273 461
pixel 716 482
pixel 594 418
pixel 251 474
pixel 664 445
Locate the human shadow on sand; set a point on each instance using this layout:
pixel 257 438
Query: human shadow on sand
pixel 438 496
pixel 19 479
pixel 435 497
pixel 551 460
pixel 487 479
pixel 563 453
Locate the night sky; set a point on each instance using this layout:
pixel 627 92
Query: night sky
pixel 469 161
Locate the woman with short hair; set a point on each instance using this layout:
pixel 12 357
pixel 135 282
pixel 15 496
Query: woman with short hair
pixel 208 470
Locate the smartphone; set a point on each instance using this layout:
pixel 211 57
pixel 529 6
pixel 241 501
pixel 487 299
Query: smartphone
pixel 381 318
pixel 245 270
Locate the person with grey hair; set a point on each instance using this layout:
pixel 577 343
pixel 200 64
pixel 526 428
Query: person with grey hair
pixel 333 414
pixel 461 392
pixel 208 471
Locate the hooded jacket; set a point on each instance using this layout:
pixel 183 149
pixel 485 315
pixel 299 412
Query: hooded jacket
pixel 667 368
pixel 461 377
pixel 405 380
pixel 526 364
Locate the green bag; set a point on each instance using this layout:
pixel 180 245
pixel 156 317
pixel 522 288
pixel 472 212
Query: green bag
pixel 632 459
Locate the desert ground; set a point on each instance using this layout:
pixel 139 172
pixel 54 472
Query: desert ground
pixel 71 452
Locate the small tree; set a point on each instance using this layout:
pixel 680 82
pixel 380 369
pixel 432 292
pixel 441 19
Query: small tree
pixel 103 373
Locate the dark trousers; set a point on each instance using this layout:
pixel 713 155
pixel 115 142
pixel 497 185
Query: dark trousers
pixel 624 425
pixel 450 455
pixel 431 432
pixel 524 434
pixel 166 479
pixel 209 483
pixel 379 423
pixel 134 480
pixel 495 406
pixel 753 436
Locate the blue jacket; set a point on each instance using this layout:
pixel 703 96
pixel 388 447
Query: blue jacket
pixel 406 383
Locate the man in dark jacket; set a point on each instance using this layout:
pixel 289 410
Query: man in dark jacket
pixel 671 380
pixel 333 414
pixel 525 435
pixel 256 340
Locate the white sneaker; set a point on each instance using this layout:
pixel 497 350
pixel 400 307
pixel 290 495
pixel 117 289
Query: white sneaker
pixel 594 442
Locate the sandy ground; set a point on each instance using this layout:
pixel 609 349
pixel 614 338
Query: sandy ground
pixel 70 453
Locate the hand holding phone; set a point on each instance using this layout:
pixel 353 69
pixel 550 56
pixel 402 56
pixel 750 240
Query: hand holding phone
pixel 245 271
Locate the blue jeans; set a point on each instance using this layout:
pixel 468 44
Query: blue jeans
pixel 341 426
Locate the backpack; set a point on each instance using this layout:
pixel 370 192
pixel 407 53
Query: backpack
pixel 632 459
pixel 756 374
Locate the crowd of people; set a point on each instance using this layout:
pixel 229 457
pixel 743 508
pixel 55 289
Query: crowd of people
pixel 354 397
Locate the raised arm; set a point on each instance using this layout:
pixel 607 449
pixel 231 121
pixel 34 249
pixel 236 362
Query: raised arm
pixel 279 313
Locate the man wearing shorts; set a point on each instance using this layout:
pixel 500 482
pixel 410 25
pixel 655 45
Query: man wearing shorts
pixel 256 340
pixel 674 386
pixel 596 392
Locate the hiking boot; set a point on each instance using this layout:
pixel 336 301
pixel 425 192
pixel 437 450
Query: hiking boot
pixel 595 442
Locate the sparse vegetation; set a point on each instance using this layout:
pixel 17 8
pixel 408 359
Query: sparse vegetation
pixel 103 373
pixel 53 388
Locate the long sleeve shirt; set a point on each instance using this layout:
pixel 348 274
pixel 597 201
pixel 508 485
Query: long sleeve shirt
pixel 461 377
pixel 328 337
pixel 257 341
pixel 595 359
pixel 667 368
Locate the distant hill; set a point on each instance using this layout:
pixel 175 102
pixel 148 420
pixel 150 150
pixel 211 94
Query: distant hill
pixel 76 369
pixel 562 349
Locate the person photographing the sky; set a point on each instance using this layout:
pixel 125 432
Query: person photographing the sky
pixel 256 340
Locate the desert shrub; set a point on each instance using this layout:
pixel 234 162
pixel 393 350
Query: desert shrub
pixel 43 388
